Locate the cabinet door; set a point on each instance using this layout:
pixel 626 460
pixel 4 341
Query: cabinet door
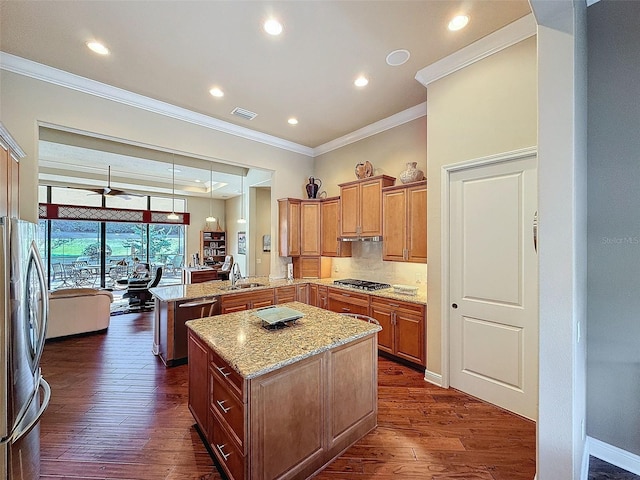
pixel 285 294
pixel 349 210
pixel 371 208
pixel 417 224
pixel 302 293
pixel 288 227
pixel 384 316
pixel 409 337
pixel 310 228
pixel 313 295
pixel 198 377
pixel 323 297
pixel 330 230
pixel 394 229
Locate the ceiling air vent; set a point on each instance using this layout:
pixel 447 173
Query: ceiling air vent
pixel 246 114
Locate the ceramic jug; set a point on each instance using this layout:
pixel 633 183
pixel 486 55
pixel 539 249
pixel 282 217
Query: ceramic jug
pixel 313 187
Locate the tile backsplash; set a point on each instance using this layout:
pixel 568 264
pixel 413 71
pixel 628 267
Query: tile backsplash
pixel 366 264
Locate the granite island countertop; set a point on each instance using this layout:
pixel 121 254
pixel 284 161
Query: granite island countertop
pixel 252 350
pixel 172 293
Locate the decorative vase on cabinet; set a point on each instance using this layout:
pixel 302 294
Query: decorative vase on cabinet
pixel 411 174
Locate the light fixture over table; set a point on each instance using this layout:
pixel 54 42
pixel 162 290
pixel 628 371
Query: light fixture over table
pixel 172 215
pixel 242 219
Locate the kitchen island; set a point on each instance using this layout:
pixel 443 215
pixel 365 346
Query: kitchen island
pixel 282 403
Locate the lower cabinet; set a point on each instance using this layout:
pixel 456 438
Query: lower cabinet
pixel 342 301
pixel 403 328
pixel 285 294
pixel 237 302
pixel 288 423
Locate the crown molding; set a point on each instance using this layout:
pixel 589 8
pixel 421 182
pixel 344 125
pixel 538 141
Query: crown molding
pixel 9 141
pixel 513 33
pixel 399 118
pixel 38 71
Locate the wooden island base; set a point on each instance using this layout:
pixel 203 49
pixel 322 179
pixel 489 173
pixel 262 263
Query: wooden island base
pixel 288 423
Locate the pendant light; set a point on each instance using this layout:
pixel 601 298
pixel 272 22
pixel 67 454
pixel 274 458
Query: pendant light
pixel 242 219
pixel 172 215
pixel 210 218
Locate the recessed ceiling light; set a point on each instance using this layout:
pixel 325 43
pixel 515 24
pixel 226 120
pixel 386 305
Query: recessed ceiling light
pixel 197 180
pixel 216 92
pixel 98 48
pixel 174 170
pixel 398 57
pixel 458 22
pixel 292 121
pixel 361 81
pixel 273 27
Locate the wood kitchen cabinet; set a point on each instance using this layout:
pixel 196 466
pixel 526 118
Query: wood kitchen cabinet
pixel 318 295
pixel 289 227
pixel 285 294
pixel 403 328
pixel 330 246
pixel 310 228
pixel 10 154
pixel 343 301
pixel 311 267
pixel 404 228
pixel 237 302
pixel 361 206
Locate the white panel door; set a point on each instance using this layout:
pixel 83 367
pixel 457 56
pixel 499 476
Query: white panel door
pixel 493 287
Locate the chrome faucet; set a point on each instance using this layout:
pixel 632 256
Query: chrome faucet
pixel 235 274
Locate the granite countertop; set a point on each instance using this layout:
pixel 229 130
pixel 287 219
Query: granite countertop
pixel 252 350
pixel 172 293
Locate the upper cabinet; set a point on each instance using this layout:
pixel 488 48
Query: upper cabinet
pixel 361 206
pixel 289 227
pixel 10 153
pixel 310 228
pixel 405 223
pixel 330 246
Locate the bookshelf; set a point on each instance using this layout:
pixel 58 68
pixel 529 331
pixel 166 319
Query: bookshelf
pixel 213 247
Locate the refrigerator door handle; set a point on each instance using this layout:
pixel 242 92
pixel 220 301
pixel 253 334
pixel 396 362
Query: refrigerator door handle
pixel 21 431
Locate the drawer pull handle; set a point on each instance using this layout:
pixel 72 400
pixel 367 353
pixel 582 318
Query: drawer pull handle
pixel 346 295
pixel 394 305
pixel 345 309
pixel 221 370
pixel 220 404
pixel 224 456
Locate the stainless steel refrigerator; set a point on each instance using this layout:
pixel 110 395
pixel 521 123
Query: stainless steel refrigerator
pixel 23 323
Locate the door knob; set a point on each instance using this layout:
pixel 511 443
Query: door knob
pixel 454 305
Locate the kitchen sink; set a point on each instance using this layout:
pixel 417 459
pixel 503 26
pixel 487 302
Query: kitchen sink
pixel 242 286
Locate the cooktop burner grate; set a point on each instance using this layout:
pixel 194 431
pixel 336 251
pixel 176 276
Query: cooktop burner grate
pixel 361 284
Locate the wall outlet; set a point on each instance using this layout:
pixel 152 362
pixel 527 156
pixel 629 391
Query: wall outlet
pixel 418 278
pixel 258 260
pixel 335 269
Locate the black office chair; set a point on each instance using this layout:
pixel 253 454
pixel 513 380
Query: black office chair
pixel 138 291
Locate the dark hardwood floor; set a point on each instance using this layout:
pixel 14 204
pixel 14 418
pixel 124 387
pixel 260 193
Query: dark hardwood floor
pixel 117 413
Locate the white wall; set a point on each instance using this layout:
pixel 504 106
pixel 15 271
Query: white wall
pixel 486 108
pixel 26 101
pixel 562 236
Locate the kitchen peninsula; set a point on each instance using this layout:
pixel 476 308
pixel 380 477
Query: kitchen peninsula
pixel 284 402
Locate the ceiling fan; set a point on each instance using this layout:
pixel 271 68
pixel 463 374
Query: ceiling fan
pixel 108 191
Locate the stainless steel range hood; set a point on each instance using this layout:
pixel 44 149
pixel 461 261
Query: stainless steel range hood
pixel 377 238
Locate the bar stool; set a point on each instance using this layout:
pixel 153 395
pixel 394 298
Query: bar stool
pixel 362 317
pixel 202 303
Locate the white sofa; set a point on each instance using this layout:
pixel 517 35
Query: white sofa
pixel 78 310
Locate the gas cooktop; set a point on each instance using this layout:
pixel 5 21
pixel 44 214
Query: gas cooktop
pixel 361 284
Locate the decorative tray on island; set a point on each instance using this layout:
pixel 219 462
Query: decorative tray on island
pixel 278 317
pixel 405 289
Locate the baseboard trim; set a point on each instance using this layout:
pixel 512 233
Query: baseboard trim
pixel 613 455
pixel 432 377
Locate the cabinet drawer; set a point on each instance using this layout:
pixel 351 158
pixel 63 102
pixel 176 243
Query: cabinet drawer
pixel 407 307
pixel 228 408
pixel 285 294
pixel 349 296
pixel 226 452
pixel 228 375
